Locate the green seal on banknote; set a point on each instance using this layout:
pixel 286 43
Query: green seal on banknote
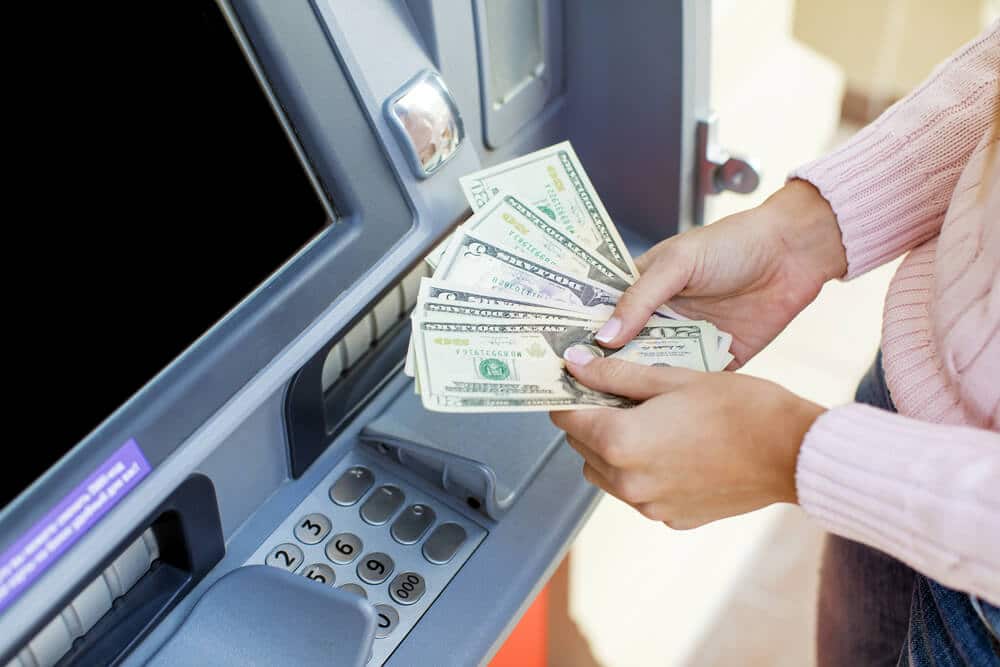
pixel 493 369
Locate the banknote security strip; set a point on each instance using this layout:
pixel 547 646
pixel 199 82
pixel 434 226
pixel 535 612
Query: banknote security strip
pixel 54 640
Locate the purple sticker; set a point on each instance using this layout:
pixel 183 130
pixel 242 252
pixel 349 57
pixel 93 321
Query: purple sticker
pixel 67 522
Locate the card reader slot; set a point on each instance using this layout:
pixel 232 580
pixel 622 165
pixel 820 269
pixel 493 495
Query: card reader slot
pixel 119 600
pixel 83 613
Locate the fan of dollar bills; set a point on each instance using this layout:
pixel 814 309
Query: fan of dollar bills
pixel 537 268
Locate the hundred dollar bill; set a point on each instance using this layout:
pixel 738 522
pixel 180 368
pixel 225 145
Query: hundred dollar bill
pixel 553 181
pixel 509 223
pixel 517 367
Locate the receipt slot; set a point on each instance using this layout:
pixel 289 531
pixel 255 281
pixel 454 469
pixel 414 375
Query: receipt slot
pixel 262 486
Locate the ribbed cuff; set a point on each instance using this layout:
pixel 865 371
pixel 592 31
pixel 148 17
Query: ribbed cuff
pixel 927 494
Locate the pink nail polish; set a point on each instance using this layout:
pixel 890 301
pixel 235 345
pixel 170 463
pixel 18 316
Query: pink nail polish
pixel 610 329
pixel 579 355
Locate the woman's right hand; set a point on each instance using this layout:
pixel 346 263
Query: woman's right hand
pixel 749 273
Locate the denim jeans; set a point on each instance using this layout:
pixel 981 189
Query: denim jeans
pixel 875 610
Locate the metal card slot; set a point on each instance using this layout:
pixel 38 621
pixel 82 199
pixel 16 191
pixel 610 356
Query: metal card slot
pixel 410 285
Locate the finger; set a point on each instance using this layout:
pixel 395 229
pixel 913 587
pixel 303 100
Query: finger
pixel 667 275
pixel 625 378
pixel 591 457
pixel 596 478
pixel 580 423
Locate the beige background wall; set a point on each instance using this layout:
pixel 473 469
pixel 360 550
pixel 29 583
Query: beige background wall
pixel 886 47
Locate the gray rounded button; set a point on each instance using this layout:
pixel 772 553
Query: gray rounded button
pixel 319 572
pixel 375 568
pixel 386 620
pixel 353 484
pixel 441 546
pixel 312 528
pixel 411 525
pixel 382 504
pixel 343 548
pixel 286 556
pixel 354 588
pixel 407 588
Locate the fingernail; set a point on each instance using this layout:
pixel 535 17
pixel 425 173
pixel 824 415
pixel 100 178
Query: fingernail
pixel 610 329
pixel 579 355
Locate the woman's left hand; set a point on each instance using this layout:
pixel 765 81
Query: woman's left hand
pixel 701 446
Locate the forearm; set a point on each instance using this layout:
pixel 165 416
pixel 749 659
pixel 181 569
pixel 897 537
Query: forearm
pixel 927 494
pixel 890 185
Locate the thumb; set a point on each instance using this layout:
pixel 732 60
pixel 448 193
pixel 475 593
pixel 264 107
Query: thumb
pixel 665 277
pixel 624 378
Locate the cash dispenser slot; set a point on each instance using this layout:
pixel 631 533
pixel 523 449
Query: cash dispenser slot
pixel 122 598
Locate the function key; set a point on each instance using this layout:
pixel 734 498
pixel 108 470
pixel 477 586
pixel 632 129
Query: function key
pixel 355 589
pixel 343 548
pixel 386 620
pixel 285 556
pixel 412 524
pixel 441 546
pixel 382 504
pixel 319 572
pixel 407 588
pixel 312 528
pixel 353 484
pixel 375 568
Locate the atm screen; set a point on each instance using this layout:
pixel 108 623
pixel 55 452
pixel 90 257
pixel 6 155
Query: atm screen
pixel 181 197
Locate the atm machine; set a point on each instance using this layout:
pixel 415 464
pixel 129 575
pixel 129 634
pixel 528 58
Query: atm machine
pixel 270 492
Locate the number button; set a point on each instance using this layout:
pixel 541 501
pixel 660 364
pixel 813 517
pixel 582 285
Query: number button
pixel 375 568
pixel 319 572
pixel 343 548
pixel 354 588
pixel 353 484
pixel 441 546
pixel 312 529
pixel 407 588
pixel 286 556
pixel 412 524
pixel 386 620
pixel 382 504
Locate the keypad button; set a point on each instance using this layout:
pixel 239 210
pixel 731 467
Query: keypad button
pixel 354 588
pixel 412 524
pixel 319 572
pixel 343 548
pixel 312 528
pixel 407 588
pixel 441 546
pixel 286 556
pixel 386 620
pixel 375 568
pixel 382 504
pixel 353 484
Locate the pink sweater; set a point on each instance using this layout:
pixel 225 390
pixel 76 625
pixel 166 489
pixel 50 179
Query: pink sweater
pixel 923 485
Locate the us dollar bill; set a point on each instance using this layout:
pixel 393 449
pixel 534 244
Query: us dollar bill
pixel 509 223
pixel 468 366
pixel 478 264
pixel 553 181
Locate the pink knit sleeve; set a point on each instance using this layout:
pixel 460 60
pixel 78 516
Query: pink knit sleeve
pixel 890 185
pixel 927 494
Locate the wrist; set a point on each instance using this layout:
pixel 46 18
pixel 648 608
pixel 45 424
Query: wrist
pixel 800 415
pixel 807 226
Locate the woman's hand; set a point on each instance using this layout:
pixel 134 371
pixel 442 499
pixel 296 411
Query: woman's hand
pixel 749 274
pixel 701 447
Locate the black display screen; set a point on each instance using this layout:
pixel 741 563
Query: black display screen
pixel 173 192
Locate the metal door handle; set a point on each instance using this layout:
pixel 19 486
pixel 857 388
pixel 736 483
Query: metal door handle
pixel 719 171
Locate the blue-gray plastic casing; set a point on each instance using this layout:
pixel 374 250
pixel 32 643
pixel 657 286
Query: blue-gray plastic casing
pixel 633 82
